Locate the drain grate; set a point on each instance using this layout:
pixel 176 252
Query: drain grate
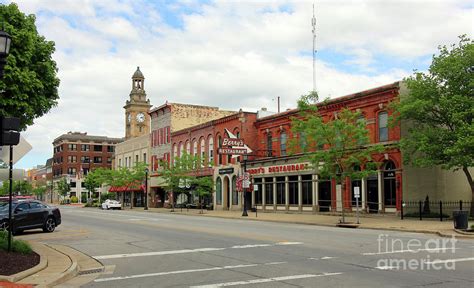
pixel 91 271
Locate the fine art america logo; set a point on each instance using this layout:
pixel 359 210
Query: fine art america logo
pixel 422 255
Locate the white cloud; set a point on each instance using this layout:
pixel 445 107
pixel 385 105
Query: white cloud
pixel 230 54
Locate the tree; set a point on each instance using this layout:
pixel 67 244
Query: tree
pixel 20 187
pixel 63 187
pixel 439 109
pixel 39 191
pixel 180 176
pixel 338 148
pixel 30 84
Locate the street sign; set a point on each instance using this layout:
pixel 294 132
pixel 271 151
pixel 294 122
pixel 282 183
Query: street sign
pixel 356 192
pixel 19 151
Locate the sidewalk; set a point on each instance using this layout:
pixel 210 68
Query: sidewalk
pixel 379 222
pixel 58 264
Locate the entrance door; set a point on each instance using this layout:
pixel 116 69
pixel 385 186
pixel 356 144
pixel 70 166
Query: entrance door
pixel 324 194
pixel 372 195
pixel 227 192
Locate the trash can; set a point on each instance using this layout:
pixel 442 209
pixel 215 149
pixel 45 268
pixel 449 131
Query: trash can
pixel 460 219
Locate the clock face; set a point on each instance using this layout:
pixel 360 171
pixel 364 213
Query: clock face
pixel 129 117
pixel 140 117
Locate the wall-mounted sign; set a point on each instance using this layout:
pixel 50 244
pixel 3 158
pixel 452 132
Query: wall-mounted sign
pixel 226 171
pixel 280 168
pixel 235 146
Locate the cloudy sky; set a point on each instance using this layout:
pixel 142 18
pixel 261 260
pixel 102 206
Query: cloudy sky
pixel 230 54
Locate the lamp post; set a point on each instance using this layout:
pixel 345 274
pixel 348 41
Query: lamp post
pixel 5 41
pixel 146 189
pixel 244 184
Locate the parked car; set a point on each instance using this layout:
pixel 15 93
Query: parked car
pixel 111 204
pixel 30 214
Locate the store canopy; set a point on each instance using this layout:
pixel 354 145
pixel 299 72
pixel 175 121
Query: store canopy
pixel 128 188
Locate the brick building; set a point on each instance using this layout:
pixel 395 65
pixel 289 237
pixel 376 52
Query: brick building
pixel 289 183
pixel 205 139
pixel 165 120
pixel 75 154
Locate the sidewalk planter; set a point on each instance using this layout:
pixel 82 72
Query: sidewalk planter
pixel 460 219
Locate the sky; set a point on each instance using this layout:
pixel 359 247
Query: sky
pixel 229 54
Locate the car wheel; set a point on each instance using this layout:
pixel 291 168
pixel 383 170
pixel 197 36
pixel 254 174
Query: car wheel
pixel 49 225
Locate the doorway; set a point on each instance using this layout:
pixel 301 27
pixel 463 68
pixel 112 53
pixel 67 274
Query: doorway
pixel 372 194
pixel 227 193
pixel 324 194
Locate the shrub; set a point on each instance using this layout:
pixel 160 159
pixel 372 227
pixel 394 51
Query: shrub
pixel 17 245
pixel 74 199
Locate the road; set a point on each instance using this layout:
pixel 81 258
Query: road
pixel 163 250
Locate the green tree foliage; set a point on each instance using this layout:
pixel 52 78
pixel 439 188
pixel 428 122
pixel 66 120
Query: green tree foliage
pixel 39 191
pixel 180 176
pixel 439 109
pixel 30 83
pixel 335 147
pixel 20 187
pixel 63 187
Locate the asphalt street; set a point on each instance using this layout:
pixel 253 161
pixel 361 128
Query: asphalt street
pixel 160 250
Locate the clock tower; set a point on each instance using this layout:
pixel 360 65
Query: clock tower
pixel 137 120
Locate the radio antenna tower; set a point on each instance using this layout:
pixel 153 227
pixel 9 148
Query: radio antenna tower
pixel 313 23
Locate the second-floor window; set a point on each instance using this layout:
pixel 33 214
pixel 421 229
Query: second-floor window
pixel 85 159
pixel 97 159
pixel 71 159
pixel 283 143
pixel 269 145
pixel 383 126
pixel 71 171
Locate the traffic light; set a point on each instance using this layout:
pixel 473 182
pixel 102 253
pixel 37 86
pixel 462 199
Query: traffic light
pixel 9 131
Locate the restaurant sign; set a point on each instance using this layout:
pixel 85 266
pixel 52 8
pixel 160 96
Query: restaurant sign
pixel 286 168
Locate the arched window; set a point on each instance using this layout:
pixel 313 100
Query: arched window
pixel 174 153
pixel 383 126
pixel 219 145
pixel 195 147
pixel 181 149
pixel 218 191
pixel 188 147
pixel 203 151
pixel 210 153
pixel 283 143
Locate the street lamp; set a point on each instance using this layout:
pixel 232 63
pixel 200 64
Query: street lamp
pixel 244 184
pixel 5 41
pixel 146 189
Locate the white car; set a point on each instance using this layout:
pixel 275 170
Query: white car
pixel 111 204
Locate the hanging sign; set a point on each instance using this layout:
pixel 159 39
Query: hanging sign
pixel 235 146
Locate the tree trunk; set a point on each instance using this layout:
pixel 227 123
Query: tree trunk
pixel 471 184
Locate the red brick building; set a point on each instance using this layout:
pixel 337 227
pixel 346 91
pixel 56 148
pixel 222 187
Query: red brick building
pixel 205 140
pixel 75 154
pixel 285 183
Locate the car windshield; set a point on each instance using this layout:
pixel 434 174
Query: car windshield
pixel 4 206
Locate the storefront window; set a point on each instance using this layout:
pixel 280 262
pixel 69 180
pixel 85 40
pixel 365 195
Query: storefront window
pixel 280 190
pixel 307 186
pixel 258 192
pixel 293 193
pixel 389 185
pixel 269 190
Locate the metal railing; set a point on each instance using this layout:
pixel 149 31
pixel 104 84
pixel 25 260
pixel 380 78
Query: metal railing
pixel 423 209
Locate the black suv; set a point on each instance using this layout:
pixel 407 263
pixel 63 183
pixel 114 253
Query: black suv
pixel 30 214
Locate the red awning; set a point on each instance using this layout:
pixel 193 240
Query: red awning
pixel 128 188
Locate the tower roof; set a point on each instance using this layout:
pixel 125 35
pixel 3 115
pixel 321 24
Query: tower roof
pixel 138 74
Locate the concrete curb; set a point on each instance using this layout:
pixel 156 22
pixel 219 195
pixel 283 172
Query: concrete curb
pixel 66 275
pixel 23 274
pixel 439 233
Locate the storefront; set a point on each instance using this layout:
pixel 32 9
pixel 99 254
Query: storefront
pixel 226 196
pixel 290 185
pixel 131 196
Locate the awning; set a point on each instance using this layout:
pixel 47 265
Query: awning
pixel 128 188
